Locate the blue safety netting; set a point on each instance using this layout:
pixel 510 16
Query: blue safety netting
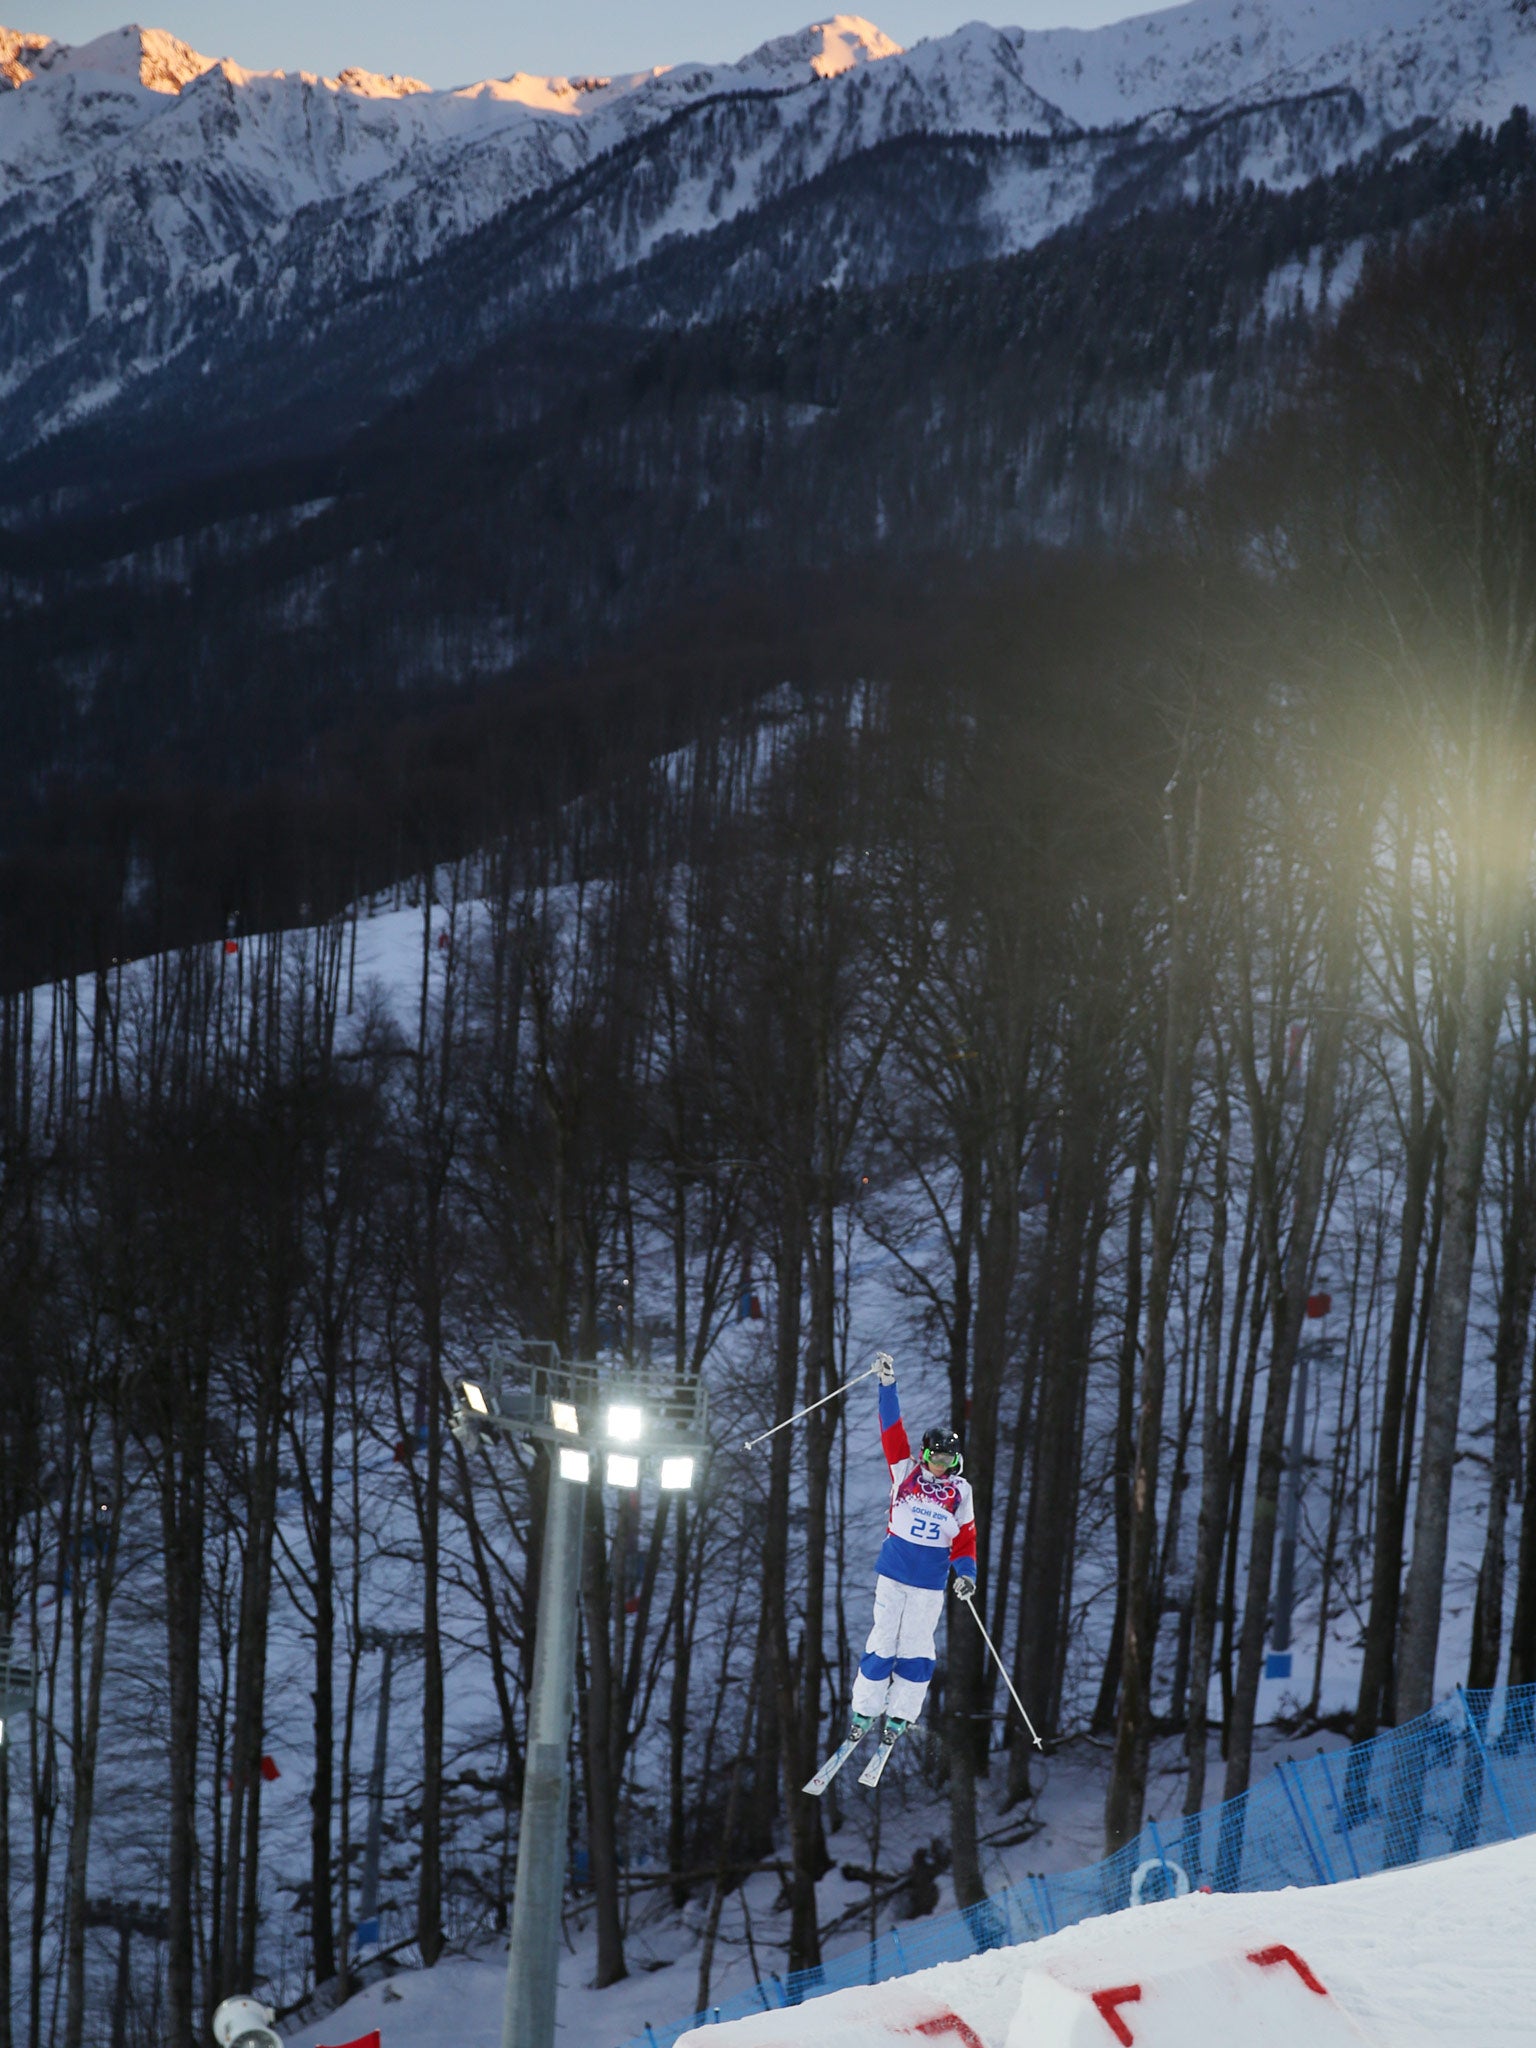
pixel 1458 1777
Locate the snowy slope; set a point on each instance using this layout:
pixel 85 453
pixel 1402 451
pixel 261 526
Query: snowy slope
pixel 1458 59
pixel 1416 1958
pixel 240 152
pixel 1428 1957
pixel 155 201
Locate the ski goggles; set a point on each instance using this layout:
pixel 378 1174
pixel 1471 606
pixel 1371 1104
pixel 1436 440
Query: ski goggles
pixel 942 1461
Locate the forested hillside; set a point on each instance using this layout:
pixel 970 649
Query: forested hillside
pixel 1162 960
pixel 276 688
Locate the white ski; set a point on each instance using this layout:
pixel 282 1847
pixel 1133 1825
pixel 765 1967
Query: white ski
pixel 834 1763
pixel 870 1775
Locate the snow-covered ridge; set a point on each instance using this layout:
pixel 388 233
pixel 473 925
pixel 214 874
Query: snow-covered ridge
pixel 168 198
pixel 1459 58
pixel 159 62
pixel 162 63
pixel 241 151
pixel 1436 56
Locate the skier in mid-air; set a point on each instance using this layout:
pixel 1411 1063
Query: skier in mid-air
pixel 930 1532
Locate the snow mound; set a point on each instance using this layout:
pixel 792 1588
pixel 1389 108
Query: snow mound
pixel 1429 1957
pixel 1266 1998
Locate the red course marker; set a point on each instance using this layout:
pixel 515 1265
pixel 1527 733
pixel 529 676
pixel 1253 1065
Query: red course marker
pixel 950 2023
pixel 1106 2001
pixel 1266 1957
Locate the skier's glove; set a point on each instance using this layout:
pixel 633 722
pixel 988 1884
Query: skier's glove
pixel 885 1369
pixel 965 1587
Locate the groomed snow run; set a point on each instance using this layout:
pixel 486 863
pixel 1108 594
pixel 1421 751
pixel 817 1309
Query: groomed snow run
pixel 1438 1954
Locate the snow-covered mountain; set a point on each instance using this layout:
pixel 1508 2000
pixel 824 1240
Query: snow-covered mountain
pixel 162 208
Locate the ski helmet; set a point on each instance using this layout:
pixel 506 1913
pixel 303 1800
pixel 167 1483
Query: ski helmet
pixel 942 1444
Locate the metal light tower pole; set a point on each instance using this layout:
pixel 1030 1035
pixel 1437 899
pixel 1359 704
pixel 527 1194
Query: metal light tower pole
pixel 594 1425
pixel 534 1952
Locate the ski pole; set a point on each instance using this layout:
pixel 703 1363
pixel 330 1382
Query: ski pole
pixel 753 1441
pixel 971 1604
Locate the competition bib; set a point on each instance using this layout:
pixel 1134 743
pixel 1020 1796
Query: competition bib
pixel 923 1517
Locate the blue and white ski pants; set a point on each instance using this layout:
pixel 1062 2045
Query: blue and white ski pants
pixel 898 1658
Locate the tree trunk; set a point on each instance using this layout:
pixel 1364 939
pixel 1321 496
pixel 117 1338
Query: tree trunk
pixel 5 1885
pixel 87 1708
pixel 429 1894
pixel 1125 1427
pixel 1290 1271
pixel 805 1939
pixel 1126 1796
pixel 183 1462
pixel 1465 1138
pixel 1522 1633
pixel 1237 1474
pixel 809 1859
pixel 237 1943
pixel 722 1866
pixel 1376 1665
pixel 322 1791
pixel 969 1671
pixel 1215 1464
pixel 1049 1534
pixel 1128 1770
pixel 1516 1285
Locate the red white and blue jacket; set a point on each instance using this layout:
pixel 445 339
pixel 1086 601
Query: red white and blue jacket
pixel 932 1522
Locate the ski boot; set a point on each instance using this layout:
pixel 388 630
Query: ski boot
pixel 859 1726
pixel 892 1732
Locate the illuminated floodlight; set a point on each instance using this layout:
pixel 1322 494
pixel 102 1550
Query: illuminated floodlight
pixel 676 1474
pixel 474 1398
pixel 575 1465
pixel 625 1425
pixel 623 1471
pixel 564 1416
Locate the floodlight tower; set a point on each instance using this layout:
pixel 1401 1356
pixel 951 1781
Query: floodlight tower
pixel 596 1425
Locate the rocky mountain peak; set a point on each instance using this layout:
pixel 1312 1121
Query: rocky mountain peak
pixel 150 57
pixel 19 52
pixel 166 63
pixel 373 85
pixel 825 49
